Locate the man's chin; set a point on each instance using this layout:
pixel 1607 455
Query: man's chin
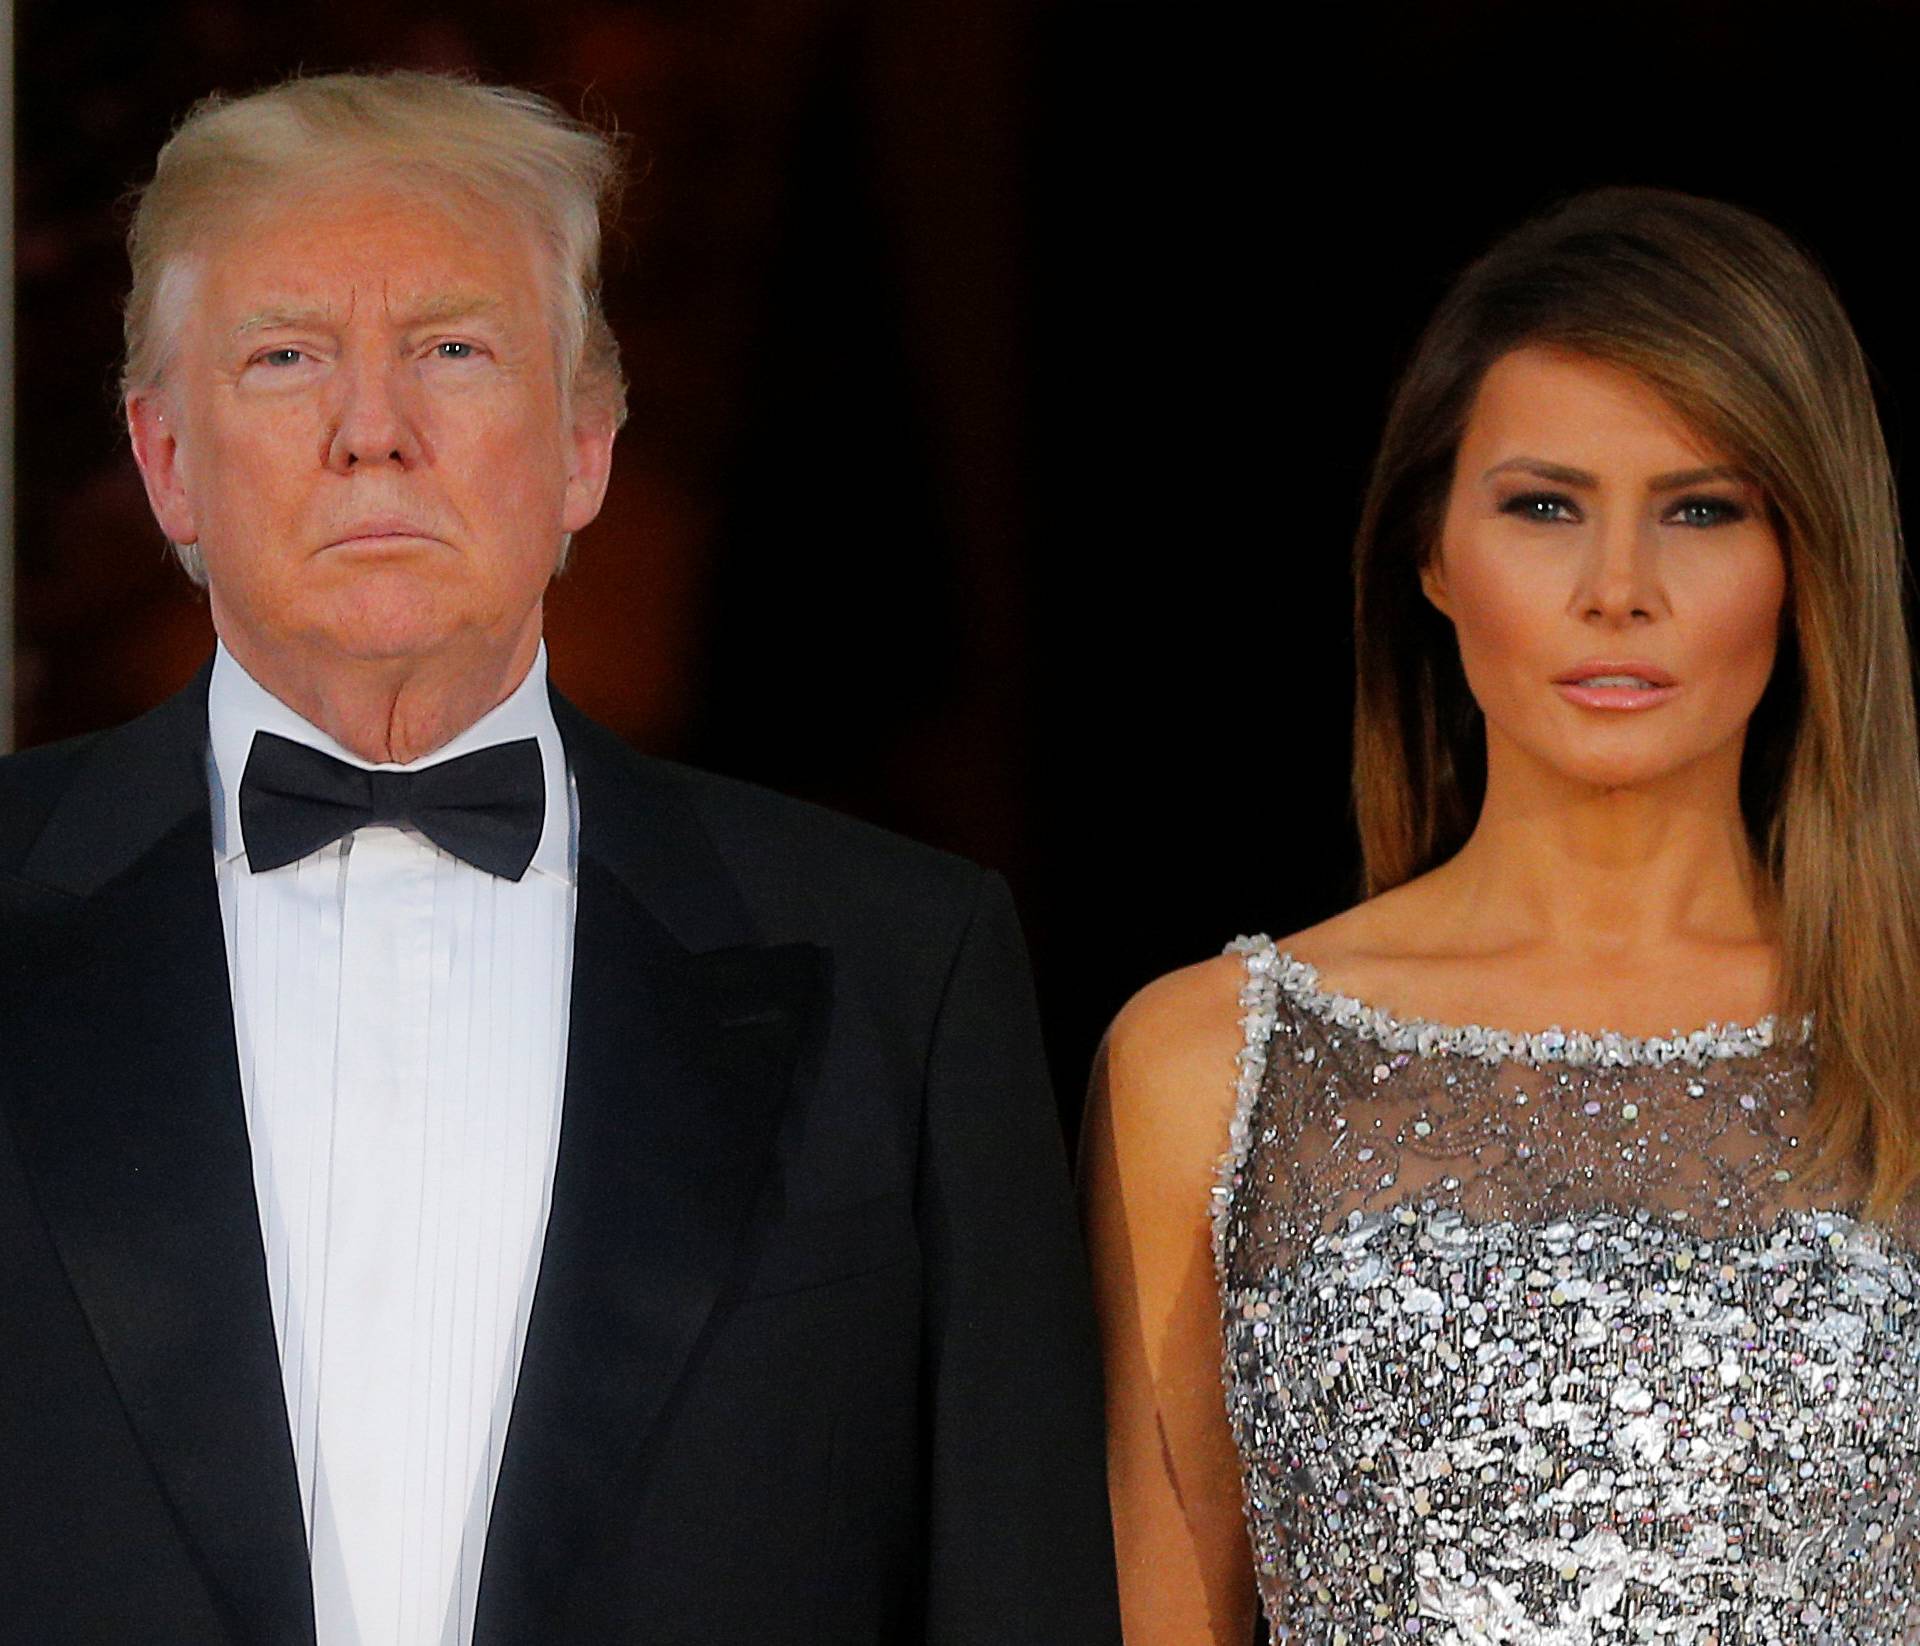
pixel 384 615
pixel 390 608
pixel 390 625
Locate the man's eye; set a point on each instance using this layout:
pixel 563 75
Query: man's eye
pixel 1545 507
pixel 1706 511
pixel 281 357
pixel 453 349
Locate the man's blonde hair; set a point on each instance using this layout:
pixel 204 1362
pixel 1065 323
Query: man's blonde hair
pixel 508 149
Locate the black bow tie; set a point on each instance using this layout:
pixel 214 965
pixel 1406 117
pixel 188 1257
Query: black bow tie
pixel 486 808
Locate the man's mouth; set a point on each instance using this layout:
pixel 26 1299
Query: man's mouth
pixel 384 529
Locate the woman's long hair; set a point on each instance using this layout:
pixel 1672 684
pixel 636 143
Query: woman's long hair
pixel 1738 330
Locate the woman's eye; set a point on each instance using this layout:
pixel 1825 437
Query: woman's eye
pixel 1546 507
pixel 1706 511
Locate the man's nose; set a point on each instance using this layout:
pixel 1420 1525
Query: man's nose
pixel 373 419
pixel 1620 575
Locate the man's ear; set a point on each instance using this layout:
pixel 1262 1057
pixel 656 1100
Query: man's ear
pixel 589 464
pixel 156 448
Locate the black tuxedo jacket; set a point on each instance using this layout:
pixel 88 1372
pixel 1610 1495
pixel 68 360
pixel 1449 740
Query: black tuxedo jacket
pixel 810 1358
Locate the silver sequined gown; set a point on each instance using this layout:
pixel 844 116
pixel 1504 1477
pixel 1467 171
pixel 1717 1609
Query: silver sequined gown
pixel 1548 1340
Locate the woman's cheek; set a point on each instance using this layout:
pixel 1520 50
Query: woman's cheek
pixel 1741 630
pixel 1498 630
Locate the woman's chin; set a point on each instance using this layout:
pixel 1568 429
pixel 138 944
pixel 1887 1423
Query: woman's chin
pixel 1622 772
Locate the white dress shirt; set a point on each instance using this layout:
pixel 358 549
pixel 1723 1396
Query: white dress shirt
pixel 401 1019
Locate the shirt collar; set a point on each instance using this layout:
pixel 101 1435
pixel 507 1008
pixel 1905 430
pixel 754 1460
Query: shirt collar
pixel 238 706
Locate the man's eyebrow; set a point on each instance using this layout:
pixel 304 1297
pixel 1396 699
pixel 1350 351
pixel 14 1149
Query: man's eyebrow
pixel 456 305
pixel 276 318
pixel 1561 474
pixel 430 311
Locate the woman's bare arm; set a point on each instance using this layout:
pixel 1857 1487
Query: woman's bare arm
pixel 1157 1116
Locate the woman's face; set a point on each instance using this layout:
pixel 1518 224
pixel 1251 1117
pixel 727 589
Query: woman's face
pixel 1614 582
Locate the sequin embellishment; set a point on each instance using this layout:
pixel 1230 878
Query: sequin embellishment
pixel 1601 1366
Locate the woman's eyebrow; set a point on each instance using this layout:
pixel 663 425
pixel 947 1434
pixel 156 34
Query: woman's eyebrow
pixel 1558 472
pixel 1566 476
pixel 1695 477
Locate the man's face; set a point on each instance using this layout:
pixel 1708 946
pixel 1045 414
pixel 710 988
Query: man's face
pixel 364 430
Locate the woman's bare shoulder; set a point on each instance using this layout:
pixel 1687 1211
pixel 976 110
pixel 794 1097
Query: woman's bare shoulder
pixel 1186 1014
pixel 1186 1026
pixel 1167 1067
pixel 1373 948
pixel 1168 1070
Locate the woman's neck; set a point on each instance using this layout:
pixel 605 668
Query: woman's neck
pixel 1571 866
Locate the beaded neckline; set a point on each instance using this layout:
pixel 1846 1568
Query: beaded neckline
pixel 1300 982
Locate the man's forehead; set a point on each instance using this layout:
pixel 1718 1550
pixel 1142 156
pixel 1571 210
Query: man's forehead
pixel 342 253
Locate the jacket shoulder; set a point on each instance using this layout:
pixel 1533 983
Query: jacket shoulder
pixel 778 841
pixel 31 784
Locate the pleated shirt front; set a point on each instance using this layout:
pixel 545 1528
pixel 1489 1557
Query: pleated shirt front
pixel 401 1021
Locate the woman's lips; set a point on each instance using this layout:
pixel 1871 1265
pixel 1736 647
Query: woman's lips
pixel 1616 686
pixel 1615 697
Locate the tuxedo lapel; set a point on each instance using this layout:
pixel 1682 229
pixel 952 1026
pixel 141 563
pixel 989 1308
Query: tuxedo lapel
pixel 125 1098
pixel 686 1039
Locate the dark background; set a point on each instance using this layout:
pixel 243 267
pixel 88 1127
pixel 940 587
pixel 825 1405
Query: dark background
pixel 1005 377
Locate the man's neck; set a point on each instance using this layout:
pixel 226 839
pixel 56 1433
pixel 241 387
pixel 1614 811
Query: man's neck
pixel 391 711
